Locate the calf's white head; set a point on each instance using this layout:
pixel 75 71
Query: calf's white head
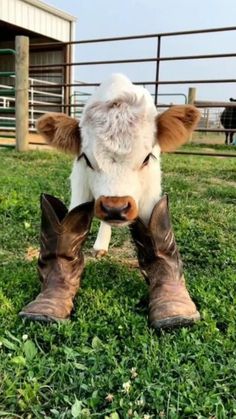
pixel 118 143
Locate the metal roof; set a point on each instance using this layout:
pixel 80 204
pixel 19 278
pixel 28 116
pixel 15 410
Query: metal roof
pixel 50 9
pixel 39 18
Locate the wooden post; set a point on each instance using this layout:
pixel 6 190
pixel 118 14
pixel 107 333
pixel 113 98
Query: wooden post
pixel 207 118
pixel 192 94
pixel 22 95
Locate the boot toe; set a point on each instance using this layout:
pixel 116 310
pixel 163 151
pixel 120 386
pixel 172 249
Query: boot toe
pixel 38 317
pixel 174 321
pixel 45 310
pixel 172 314
pixel 41 316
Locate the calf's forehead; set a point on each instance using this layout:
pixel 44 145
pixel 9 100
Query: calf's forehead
pixel 128 150
pixel 118 123
pixel 119 138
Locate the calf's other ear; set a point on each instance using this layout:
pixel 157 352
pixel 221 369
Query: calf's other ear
pixel 175 125
pixel 60 131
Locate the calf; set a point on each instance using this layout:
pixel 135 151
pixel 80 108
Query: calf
pixel 117 145
pixel 116 176
pixel 228 120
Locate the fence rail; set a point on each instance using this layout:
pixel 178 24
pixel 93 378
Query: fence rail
pixel 40 101
pixel 158 58
pixel 145 36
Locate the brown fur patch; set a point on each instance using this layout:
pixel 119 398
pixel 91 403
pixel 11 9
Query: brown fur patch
pixel 60 131
pixel 175 125
pixel 116 202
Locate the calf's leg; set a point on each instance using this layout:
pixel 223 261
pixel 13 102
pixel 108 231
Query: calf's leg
pixel 226 138
pixel 231 138
pixel 101 244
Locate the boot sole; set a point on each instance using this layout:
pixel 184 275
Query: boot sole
pixel 41 317
pixel 174 322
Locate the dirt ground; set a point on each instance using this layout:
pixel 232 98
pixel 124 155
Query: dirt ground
pixel 37 142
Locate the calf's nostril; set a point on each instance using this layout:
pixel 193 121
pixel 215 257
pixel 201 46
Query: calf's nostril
pixel 126 207
pixel 115 212
pixel 105 208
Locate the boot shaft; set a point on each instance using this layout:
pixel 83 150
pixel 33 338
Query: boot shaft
pixel 156 245
pixel 61 262
pixel 63 233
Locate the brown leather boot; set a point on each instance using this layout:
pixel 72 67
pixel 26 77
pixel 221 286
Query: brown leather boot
pixel 61 261
pixel 170 304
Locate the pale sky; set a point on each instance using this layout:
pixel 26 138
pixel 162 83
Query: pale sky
pixel 108 18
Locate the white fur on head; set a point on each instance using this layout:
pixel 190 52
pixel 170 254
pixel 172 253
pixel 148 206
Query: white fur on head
pixel 118 132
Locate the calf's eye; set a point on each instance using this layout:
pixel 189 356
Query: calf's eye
pixel 88 162
pixel 86 159
pixel 146 160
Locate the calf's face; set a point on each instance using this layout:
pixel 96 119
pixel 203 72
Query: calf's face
pixel 118 138
pixel 118 144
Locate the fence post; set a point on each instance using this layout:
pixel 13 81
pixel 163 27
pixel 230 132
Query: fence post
pixel 21 86
pixel 157 68
pixel 192 94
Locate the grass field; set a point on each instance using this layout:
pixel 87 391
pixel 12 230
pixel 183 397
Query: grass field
pixel 106 362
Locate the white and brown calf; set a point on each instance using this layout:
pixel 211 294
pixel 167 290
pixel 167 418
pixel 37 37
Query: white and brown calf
pixel 117 144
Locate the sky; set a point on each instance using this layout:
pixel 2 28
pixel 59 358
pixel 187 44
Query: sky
pixel 110 18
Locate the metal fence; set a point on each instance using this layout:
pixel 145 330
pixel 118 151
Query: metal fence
pixel 157 80
pixel 75 93
pixel 40 101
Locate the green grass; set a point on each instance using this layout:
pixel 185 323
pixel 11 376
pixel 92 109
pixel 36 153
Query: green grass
pixel 209 148
pixel 68 370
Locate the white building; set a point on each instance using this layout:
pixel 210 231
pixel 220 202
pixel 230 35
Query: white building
pixel 36 19
pixel 48 29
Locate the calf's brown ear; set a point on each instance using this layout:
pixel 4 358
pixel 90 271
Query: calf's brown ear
pixel 175 125
pixel 60 131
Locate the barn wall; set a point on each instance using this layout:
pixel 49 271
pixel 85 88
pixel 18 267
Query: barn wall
pixel 47 57
pixel 36 57
pixel 52 56
pixel 7 63
pixel 28 16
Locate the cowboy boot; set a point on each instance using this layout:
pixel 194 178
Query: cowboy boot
pixel 61 262
pixel 170 304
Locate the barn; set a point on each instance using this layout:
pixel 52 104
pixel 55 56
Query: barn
pixel 48 30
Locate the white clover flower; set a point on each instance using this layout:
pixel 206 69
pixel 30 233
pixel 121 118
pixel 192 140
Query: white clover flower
pixel 126 386
pixel 140 402
pixel 134 373
pixel 24 337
